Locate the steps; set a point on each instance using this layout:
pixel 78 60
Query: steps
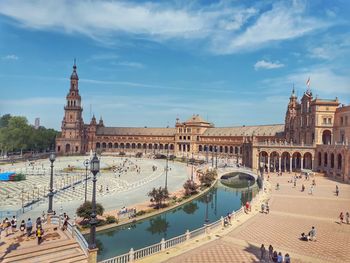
pixel 59 251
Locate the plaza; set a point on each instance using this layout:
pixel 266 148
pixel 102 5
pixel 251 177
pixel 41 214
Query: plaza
pixel 174 131
pixel 122 187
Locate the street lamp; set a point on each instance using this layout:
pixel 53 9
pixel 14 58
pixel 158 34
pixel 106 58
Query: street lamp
pixel 166 170
pixel 86 164
pixel 94 168
pixel 192 168
pixel 52 159
pixel 206 208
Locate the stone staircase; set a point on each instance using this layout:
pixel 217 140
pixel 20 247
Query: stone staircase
pixel 59 251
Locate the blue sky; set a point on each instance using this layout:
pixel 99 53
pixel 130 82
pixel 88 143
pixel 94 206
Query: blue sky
pixel 144 63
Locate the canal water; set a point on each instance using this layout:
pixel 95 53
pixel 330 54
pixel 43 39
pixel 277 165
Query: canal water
pixel 219 201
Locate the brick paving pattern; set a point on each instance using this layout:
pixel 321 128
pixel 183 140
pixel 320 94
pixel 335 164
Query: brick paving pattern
pixel 291 213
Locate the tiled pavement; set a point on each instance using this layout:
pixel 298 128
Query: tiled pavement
pixel 292 212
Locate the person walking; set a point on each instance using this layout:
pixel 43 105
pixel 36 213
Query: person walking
pixel 336 190
pixel 39 234
pixel 29 226
pixel 341 217
pixel 13 224
pixel 262 252
pixel 267 208
pixel 22 227
pixel 270 252
pixel 347 217
pixel 6 226
pixel 262 208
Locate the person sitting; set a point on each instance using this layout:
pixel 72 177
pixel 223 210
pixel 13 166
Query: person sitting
pixel 304 237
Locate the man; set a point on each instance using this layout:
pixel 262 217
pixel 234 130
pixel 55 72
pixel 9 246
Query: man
pixel 29 227
pixel 262 251
pixel 312 234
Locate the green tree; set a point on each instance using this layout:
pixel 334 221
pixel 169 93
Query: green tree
pixel 4 120
pixel 85 210
pixel 158 195
pixel 190 187
pixel 207 178
pixel 16 135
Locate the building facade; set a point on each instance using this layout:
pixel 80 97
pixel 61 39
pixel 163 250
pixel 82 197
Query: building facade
pixel 314 136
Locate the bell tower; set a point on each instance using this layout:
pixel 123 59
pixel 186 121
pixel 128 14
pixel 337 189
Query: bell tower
pixel 289 123
pixel 72 137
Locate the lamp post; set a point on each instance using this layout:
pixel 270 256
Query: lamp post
pixel 192 168
pixel 216 159
pixel 86 164
pixel 166 170
pixel 206 208
pixel 94 168
pixel 52 159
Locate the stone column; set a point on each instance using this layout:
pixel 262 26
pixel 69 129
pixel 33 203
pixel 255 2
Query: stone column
pixel 92 255
pixel 268 163
pixel 290 164
pixel 301 163
pixel 279 163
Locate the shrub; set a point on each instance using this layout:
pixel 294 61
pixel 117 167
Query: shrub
pixel 85 210
pixel 19 177
pixel 207 178
pixel 111 220
pixel 140 213
pixel 158 196
pixel 190 187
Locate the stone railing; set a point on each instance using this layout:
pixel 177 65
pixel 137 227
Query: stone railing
pixel 73 231
pixel 133 255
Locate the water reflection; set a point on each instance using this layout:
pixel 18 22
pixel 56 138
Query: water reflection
pixel 208 208
pixel 158 225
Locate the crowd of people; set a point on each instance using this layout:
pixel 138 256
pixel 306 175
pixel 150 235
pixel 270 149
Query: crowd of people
pixel 272 255
pixel 9 226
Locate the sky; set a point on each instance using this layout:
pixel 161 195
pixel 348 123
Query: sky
pixel 144 63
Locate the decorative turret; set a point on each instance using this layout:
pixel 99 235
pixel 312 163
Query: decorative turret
pixel 93 120
pixel 100 123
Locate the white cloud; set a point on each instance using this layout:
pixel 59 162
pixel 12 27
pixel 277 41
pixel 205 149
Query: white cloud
pixel 225 27
pixel 330 47
pixel 326 82
pixel 263 64
pixel 282 22
pixel 10 57
pixel 131 64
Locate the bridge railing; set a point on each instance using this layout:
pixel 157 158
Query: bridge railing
pixel 166 244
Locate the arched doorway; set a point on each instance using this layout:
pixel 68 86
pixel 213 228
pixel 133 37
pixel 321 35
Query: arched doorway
pixel 339 162
pixel 274 162
pixel 67 148
pixel 332 160
pixel 326 137
pixel 296 161
pixel 263 160
pixel 307 161
pixel 285 162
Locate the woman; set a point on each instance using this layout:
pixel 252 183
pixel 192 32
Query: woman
pixel 22 227
pixel 347 217
pixel 274 256
pixel 341 217
pixel 279 258
pixel 287 258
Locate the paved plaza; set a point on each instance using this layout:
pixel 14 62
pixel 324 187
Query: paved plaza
pixel 115 189
pixel 291 213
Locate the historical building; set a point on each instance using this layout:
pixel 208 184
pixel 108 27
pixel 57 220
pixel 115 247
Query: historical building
pixel 314 136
